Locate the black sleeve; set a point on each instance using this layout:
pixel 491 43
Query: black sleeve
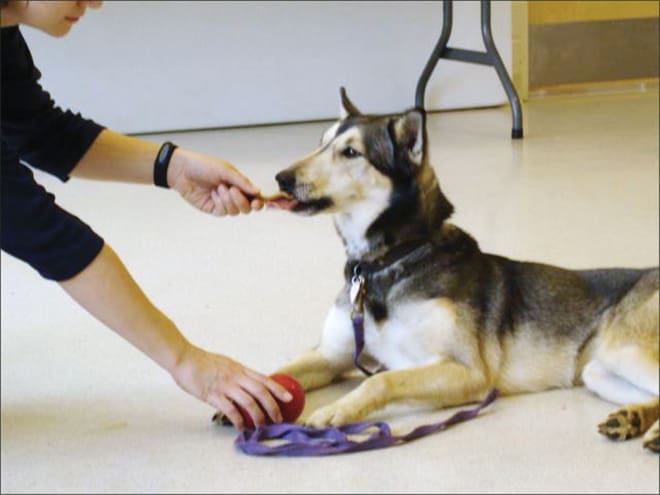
pixel 43 135
pixel 35 229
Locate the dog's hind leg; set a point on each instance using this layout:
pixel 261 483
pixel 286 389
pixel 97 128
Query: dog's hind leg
pixel 628 375
pixel 641 412
pixel 628 343
pixel 612 387
pixel 625 365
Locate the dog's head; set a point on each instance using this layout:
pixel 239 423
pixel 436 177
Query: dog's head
pixel 358 160
pixel 372 166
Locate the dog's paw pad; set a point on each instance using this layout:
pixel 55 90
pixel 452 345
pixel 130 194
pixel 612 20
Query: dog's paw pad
pixel 621 425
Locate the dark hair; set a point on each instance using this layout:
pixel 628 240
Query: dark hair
pixel 3 3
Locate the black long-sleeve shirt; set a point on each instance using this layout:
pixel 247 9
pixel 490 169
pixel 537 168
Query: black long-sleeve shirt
pixel 36 132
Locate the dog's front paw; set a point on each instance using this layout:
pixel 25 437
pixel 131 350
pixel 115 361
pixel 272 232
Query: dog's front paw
pixel 330 415
pixel 622 424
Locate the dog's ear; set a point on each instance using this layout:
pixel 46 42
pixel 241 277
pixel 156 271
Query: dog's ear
pixel 409 134
pixel 347 109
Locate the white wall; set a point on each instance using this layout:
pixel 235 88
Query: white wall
pixel 159 66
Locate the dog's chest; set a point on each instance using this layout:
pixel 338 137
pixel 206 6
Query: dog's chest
pixel 413 334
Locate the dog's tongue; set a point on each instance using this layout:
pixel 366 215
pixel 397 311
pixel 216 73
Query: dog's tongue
pixel 281 201
pixel 282 204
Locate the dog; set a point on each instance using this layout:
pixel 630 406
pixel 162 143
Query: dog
pixel 445 320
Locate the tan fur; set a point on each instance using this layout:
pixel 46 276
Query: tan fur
pixel 442 384
pixel 313 370
pixel 651 439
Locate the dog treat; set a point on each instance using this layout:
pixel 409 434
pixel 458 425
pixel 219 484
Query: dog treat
pixel 280 200
pixel 276 196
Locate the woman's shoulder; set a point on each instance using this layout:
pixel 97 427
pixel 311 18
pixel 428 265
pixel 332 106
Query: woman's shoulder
pixel 11 38
pixel 16 57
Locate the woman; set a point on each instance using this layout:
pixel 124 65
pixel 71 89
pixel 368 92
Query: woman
pixel 65 249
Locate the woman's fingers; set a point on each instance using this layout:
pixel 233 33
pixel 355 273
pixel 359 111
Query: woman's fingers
pixel 218 207
pixel 275 388
pixel 240 201
pixel 229 410
pixel 232 176
pixel 257 204
pixel 254 394
pixel 227 200
pixel 249 404
pixel 259 391
pixel 232 201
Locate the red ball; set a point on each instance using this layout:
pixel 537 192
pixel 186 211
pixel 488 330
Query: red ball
pixel 293 409
pixel 290 410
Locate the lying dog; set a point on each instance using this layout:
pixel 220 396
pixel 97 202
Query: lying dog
pixel 445 320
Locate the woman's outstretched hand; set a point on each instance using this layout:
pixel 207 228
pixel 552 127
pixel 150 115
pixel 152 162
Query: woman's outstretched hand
pixel 223 383
pixel 211 184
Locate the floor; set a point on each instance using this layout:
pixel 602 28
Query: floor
pixel 82 411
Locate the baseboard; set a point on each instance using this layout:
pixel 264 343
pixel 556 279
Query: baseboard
pixel 641 85
pixel 586 52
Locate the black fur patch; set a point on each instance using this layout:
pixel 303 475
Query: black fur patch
pixel 313 206
pixel 377 309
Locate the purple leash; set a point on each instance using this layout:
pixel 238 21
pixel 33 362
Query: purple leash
pixel 300 441
pixel 294 440
pixel 356 294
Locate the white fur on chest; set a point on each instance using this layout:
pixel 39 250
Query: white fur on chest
pixel 353 223
pixel 415 333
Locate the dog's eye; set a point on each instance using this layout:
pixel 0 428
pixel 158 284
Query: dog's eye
pixel 350 152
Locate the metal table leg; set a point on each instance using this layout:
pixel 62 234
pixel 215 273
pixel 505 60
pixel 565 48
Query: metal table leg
pixel 489 57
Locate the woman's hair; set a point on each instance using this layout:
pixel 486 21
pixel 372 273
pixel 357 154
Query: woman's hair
pixel 3 3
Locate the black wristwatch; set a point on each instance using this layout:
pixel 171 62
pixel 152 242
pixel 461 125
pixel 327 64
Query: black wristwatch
pixel 162 163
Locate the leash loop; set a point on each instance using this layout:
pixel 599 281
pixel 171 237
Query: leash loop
pixel 293 440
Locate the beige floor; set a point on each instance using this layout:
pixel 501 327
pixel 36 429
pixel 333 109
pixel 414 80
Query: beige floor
pixel 82 411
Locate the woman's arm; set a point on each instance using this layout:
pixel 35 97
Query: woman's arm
pixel 116 157
pixel 108 292
pixel 210 184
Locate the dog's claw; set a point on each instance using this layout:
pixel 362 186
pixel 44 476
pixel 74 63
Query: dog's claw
pixel 220 419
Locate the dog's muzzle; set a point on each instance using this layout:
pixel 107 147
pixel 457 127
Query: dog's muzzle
pixel 287 181
pixel 288 184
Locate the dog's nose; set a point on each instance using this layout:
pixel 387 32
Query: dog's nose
pixel 287 180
